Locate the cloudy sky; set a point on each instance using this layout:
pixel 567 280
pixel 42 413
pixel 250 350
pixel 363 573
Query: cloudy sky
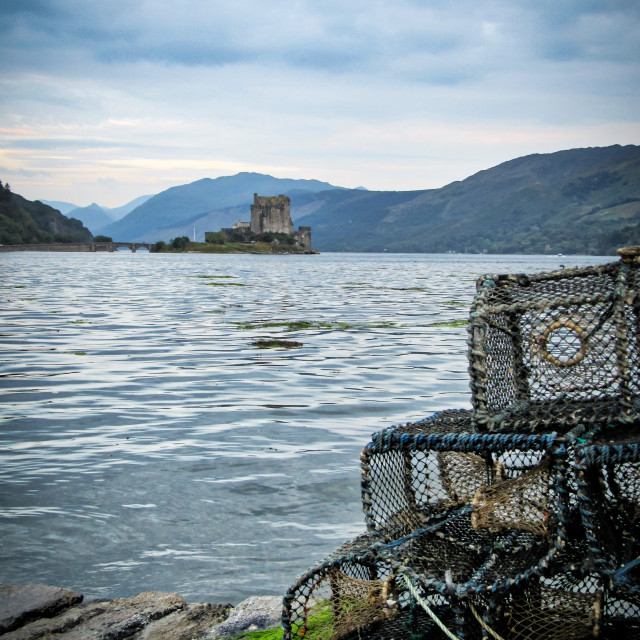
pixel 107 101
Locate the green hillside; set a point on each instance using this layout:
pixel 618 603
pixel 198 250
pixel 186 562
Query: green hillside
pixel 578 201
pixel 25 222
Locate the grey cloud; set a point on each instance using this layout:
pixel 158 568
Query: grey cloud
pixel 335 38
pixel 583 30
pixel 202 32
pixel 435 44
pixel 12 10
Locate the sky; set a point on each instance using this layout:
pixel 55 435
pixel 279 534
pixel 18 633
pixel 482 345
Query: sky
pixel 107 101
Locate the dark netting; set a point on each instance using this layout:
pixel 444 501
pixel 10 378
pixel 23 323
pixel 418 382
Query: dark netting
pixel 621 618
pixel 547 608
pixel 447 421
pixel 479 528
pixel 555 350
pixel 608 475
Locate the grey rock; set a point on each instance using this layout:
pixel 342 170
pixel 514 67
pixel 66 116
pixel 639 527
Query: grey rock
pixel 103 620
pixel 186 624
pixel 21 603
pixel 253 614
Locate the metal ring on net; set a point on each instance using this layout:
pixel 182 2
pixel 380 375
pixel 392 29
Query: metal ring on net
pixel 543 341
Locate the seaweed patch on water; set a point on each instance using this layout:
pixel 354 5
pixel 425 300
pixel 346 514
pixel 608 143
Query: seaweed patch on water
pixel 362 285
pixel 224 284
pixel 276 344
pixel 450 323
pixel 301 325
pixel 289 325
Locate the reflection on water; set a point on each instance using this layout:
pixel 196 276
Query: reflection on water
pixel 145 444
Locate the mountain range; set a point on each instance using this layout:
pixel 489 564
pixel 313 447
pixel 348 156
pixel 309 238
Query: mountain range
pixel 575 201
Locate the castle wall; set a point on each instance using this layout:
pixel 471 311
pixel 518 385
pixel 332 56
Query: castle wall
pixel 303 236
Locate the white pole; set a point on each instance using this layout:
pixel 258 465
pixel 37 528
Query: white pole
pixel 194 232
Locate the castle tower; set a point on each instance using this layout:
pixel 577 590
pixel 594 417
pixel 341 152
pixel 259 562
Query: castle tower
pixel 271 213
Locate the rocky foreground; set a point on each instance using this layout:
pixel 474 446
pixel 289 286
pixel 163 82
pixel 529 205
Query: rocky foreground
pixel 34 611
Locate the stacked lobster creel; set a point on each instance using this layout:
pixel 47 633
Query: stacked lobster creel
pixel 555 352
pixel 518 519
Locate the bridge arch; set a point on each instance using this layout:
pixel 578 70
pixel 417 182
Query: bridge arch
pixel 113 246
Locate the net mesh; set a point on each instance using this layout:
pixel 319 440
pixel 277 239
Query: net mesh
pixel 410 480
pixel 608 476
pixel 524 503
pixel 548 610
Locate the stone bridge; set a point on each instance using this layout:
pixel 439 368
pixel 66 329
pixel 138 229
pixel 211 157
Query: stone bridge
pixel 113 246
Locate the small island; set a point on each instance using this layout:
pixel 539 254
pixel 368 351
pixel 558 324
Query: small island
pixel 269 231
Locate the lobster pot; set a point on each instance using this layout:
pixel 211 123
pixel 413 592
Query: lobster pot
pixel 556 350
pixel 358 596
pixel 500 483
pixel 608 476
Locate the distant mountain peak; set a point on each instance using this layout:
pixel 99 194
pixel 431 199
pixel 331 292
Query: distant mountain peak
pixel 93 216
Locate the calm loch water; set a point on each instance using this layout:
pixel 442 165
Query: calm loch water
pixel 146 444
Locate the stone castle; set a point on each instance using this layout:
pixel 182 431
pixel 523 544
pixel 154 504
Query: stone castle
pixel 272 214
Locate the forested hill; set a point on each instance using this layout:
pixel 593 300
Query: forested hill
pixel 584 201
pixel 25 222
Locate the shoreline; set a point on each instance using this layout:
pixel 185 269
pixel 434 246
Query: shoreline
pixel 257 248
pixel 32 611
